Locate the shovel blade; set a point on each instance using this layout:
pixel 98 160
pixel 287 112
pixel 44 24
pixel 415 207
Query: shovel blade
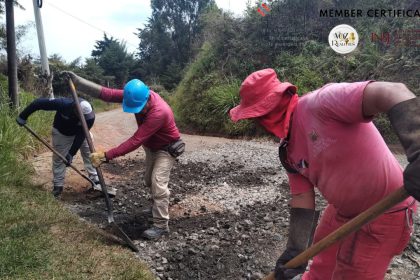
pixel 124 236
pixel 112 192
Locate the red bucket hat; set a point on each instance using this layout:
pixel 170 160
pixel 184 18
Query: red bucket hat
pixel 260 92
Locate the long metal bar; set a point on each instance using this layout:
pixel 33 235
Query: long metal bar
pixel 108 202
pixel 58 154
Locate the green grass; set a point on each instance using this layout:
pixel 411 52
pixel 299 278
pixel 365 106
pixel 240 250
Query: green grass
pixel 101 106
pixel 16 144
pixel 40 239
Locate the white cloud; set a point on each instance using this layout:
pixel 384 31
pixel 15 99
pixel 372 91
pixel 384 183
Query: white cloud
pixel 234 6
pixel 71 28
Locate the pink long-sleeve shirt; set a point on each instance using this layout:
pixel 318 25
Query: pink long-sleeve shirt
pixel 156 128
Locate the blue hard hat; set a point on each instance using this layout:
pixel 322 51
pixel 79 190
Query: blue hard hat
pixel 135 96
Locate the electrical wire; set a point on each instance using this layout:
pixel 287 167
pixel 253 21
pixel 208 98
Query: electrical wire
pixel 85 22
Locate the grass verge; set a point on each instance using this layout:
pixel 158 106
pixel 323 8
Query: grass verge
pixel 39 239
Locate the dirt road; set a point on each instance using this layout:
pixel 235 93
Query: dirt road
pixel 228 206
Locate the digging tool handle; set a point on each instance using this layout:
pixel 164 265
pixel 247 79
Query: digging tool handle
pixel 92 150
pixel 58 154
pixel 108 202
pixel 354 224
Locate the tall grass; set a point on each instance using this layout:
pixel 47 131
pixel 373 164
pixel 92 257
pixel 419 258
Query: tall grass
pixel 203 99
pixel 219 100
pixel 16 144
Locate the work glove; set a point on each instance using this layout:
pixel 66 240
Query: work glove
pixel 69 159
pixel 20 121
pixel 405 119
pixel 98 158
pixel 301 230
pixel 84 85
pixel 283 273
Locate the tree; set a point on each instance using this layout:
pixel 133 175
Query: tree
pixel 111 59
pixel 92 71
pixel 116 61
pixel 167 41
pixel 102 45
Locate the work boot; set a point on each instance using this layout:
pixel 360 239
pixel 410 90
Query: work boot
pixel 155 233
pixel 57 190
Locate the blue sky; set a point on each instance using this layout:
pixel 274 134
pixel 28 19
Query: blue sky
pixel 72 27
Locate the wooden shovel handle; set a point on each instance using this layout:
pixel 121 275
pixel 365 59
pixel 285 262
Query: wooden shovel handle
pixel 354 224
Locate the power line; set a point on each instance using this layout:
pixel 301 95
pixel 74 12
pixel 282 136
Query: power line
pixel 87 23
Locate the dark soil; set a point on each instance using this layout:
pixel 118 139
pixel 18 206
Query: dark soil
pixel 229 216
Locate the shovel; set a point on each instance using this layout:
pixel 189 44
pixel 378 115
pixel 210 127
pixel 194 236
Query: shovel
pixel 353 225
pixel 108 202
pixel 111 192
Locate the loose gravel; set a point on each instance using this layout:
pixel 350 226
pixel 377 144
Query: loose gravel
pixel 229 214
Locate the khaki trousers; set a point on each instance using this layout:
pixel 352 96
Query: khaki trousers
pixel 62 144
pixel 158 169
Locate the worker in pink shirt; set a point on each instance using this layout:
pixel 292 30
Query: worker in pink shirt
pixel 328 141
pixel 157 133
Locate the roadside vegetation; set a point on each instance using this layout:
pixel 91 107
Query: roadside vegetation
pixel 40 239
pixel 196 55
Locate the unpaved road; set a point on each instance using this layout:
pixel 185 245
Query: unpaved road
pixel 228 207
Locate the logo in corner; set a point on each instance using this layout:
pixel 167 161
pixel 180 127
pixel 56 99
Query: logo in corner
pixel 343 39
pixel 266 8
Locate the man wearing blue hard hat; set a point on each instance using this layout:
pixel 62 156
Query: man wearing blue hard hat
pixel 157 133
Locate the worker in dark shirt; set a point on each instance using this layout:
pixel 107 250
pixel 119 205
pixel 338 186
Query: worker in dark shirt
pixel 67 135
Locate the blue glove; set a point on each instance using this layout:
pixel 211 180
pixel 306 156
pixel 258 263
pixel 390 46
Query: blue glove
pixel 69 159
pixel 20 121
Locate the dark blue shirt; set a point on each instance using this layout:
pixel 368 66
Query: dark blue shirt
pixel 66 120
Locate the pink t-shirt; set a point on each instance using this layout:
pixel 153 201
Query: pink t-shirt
pixel 340 152
pixel 156 128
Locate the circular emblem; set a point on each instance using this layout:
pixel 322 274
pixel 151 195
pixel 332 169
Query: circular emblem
pixel 343 39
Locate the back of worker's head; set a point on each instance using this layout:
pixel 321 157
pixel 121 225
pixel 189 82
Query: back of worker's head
pixel 135 96
pixel 86 107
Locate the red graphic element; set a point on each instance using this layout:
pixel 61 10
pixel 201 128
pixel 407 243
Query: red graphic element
pixel 266 8
pixel 261 12
pixel 398 38
pixel 384 37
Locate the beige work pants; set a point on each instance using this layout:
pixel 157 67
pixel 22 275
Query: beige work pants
pixel 158 169
pixel 62 144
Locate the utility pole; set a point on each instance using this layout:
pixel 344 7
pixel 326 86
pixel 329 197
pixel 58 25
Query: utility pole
pixel 11 54
pixel 42 49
